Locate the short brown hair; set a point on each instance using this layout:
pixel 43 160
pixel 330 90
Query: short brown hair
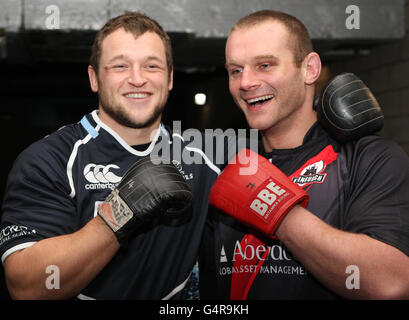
pixel 136 23
pixel 302 43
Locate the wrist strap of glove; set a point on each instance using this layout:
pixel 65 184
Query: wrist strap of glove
pixel 116 213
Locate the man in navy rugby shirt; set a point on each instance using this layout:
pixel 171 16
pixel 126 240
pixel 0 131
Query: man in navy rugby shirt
pixel 55 242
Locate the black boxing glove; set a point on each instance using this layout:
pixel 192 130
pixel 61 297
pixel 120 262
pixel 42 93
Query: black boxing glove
pixel 347 109
pixel 146 192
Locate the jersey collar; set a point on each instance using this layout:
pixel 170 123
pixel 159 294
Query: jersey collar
pixel 161 131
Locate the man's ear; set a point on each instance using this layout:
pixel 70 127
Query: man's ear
pixel 93 79
pixel 170 86
pixel 312 64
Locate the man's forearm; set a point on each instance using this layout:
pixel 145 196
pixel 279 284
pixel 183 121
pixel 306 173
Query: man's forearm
pixel 335 257
pixel 75 259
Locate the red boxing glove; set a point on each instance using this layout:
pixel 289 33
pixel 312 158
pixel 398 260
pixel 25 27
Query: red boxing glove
pixel 261 199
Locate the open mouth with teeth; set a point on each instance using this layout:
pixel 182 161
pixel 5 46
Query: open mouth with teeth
pixel 137 95
pixel 259 101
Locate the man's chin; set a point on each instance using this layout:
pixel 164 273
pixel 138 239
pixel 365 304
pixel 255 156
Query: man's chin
pixel 259 124
pixel 137 121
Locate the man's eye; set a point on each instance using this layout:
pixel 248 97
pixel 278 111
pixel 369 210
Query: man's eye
pixel 265 65
pixel 154 67
pixel 119 67
pixel 235 71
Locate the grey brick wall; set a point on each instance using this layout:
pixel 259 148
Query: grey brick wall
pixel 386 72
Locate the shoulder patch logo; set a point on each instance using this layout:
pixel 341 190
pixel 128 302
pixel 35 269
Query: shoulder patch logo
pixel 311 174
pixel 313 170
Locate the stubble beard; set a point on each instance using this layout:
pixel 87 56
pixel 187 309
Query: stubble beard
pixel 121 116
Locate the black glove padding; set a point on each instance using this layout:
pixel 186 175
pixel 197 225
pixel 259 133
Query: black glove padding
pixel 347 109
pixel 147 192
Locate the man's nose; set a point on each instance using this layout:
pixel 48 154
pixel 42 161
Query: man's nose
pixel 137 77
pixel 249 79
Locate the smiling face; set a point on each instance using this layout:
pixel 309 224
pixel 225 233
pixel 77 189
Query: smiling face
pixel 264 80
pixel 133 81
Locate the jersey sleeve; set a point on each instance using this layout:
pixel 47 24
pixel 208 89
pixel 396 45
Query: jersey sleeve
pixel 378 203
pixel 36 202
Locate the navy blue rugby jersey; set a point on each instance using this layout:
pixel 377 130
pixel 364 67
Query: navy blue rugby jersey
pixel 361 187
pixel 57 183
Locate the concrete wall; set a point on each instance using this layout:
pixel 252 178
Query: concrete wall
pixel 206 18
pixel 386 71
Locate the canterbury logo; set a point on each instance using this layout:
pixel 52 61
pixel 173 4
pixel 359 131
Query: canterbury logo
pixel 96 173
